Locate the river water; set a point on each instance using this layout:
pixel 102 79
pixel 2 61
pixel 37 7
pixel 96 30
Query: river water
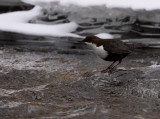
pixel 59 78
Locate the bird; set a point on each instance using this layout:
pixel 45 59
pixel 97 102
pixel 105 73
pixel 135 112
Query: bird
pixel 110 50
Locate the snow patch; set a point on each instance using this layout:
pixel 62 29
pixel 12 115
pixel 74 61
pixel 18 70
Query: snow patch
pixel 105 36
pixel 19 22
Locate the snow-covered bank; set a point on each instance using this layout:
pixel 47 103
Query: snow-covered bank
pixel 19 22
pixel 134 4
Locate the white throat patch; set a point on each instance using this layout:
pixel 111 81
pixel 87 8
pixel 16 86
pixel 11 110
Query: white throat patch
pixel 99 50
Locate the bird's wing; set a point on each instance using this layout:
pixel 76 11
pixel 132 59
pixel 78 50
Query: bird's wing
pixel 116 47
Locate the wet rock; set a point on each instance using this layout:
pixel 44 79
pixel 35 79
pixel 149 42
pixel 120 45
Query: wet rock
pixel 16 79
pixel 22 111
pixel 30 95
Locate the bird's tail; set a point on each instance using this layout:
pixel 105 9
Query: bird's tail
pixel 137 46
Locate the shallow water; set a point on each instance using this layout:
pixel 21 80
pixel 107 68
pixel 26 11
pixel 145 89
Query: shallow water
pixel 59 78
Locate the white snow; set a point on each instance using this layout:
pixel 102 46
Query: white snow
pixel 134 4
pixel 18 22
pixel 105 36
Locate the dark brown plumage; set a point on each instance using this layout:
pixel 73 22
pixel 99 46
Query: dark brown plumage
pixel 110 50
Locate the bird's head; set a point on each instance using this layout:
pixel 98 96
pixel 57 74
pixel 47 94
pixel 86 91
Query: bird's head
pixel 92 39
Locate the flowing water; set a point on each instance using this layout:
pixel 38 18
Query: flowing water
pixel 59 78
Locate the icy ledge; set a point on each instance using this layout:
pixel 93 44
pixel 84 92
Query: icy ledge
pixel 18 22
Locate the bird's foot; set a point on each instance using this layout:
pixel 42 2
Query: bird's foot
pixel 111 71
pixel 108 70
pixel 104 71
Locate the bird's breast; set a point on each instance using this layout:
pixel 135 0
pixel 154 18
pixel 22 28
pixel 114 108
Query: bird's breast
pixel 99 50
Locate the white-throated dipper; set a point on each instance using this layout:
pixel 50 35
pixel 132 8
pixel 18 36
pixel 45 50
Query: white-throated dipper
pixel 110 50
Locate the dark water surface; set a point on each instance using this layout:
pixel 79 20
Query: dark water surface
pixel 59 78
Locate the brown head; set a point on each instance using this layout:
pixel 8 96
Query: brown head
pixel 92 39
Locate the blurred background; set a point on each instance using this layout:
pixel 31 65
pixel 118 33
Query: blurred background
pixel 13 5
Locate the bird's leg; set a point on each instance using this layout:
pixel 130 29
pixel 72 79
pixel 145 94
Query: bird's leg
pixel 109 67
pixel 115 66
